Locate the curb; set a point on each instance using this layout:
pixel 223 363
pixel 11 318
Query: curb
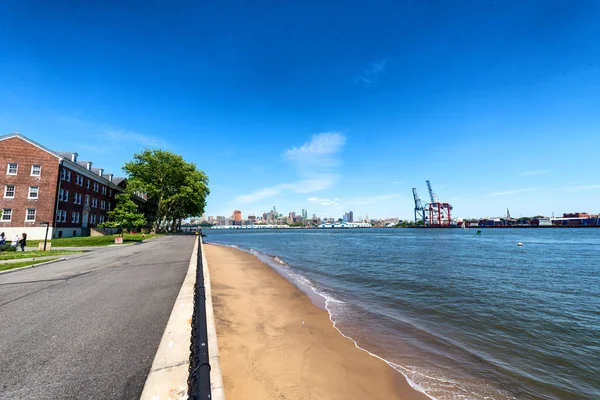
pixel 31 266
pixel 216 378
pixel 169 373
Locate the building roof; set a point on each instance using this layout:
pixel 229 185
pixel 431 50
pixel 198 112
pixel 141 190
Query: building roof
pixel 63 155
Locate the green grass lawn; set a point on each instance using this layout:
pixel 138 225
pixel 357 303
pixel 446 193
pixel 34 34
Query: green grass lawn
pixel 14 255
pixel 85 241
pixel 7 266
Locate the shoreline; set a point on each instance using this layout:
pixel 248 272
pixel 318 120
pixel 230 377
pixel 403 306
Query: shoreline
pixel 274 341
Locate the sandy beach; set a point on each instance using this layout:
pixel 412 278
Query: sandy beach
pixel 275 343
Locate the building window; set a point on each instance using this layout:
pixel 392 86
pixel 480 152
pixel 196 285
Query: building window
pixel 88 184
pixel 87 199
pixel 65 175
pixel 79 197
pixel 110 192
pixel 33 192
pixel 12 168
pixel 93 219
pixel 61 194
pixel 64 216
pixel 58 214
pixel 102 204
pixel 36 170
pixel 30 214
pixel 73 217
pixel 103 189
pixel 108 208
pixel 94 203
pixel 78 215
pixel 6 214
pixel 79 180
pixel 102 219
pixel 96 186
pixel 66 195
pixel 9 191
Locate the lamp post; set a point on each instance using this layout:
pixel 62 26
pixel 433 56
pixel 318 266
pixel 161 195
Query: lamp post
pixel 46 237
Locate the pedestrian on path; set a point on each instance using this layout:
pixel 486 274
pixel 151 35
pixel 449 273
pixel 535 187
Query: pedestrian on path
pixel 15 241
pixel 23 241
pixel 2 239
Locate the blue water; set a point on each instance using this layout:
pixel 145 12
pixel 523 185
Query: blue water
pixel 463 316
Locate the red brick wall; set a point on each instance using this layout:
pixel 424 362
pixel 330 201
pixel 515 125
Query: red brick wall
pixel 70 206
pixel 17 150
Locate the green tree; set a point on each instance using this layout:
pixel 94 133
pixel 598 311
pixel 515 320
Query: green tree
pixel 178 188
pixel 125 214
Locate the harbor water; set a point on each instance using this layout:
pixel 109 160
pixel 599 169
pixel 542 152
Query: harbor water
pixel 461 315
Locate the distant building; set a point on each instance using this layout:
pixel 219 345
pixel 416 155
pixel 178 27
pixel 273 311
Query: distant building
pixel 576 215
pixel 237 216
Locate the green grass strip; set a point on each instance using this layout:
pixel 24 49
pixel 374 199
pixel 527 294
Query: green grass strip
pixel 7 266
pixel 15 255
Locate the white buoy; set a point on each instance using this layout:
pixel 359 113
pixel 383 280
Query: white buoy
pixel 520 244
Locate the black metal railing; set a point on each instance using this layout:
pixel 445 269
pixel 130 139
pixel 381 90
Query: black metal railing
pixel 199 369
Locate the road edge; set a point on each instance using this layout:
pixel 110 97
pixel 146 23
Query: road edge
pixel 31 266
pixel 216 378
pixel 169 373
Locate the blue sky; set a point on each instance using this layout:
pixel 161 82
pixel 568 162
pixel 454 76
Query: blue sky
pixel 329 107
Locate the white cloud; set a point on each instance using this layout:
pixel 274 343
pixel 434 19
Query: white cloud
pixel 582 187
pixel 370 76
pixel 509 192
pixel 358 201
pixel 119 136
pixel 535 172
pixel 315 163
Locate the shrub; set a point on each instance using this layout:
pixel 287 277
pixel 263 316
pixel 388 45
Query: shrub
pixel 7 247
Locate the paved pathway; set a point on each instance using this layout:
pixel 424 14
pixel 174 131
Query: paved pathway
pixel 89 327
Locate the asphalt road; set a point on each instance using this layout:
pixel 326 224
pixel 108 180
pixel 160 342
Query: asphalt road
pixel 88 328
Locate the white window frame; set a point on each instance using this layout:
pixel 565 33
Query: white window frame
pixel 63 174
pixel 64 216
pixel 66 197
pixel 14 190
pixel 68 176
pixel 73 217
pixel 103 189
pixel 5 212
pixel 94 203
pixel 108 207
pixel 101 219
pixel 88 184
pixel 102 204
pixel 87 199
pixel 27 219
pixel 37 193
pixel 39 170
pixel 8 169
pixel 61 194
pixel 78 215
pixel 58 215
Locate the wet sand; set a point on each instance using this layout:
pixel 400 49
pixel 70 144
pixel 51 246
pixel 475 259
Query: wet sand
pixel 274 343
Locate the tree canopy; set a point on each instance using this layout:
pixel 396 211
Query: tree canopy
pixel 125 213
pixel 177 187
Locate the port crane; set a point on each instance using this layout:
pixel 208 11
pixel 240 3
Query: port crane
pixel 435 214
pixel 419 209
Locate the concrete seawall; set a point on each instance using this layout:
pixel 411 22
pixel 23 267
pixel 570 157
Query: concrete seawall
pixel 169 373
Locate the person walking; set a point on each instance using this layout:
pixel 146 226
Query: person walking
pixel 23 241
pixel 2 239
pixel 15 241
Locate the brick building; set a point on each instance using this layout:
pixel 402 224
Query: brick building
pixel 40 185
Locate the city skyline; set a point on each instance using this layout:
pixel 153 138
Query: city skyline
pixel 494 102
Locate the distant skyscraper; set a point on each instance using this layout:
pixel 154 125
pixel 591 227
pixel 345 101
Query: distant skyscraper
pixel 367 218
pixel 351 216
pixel 237 217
